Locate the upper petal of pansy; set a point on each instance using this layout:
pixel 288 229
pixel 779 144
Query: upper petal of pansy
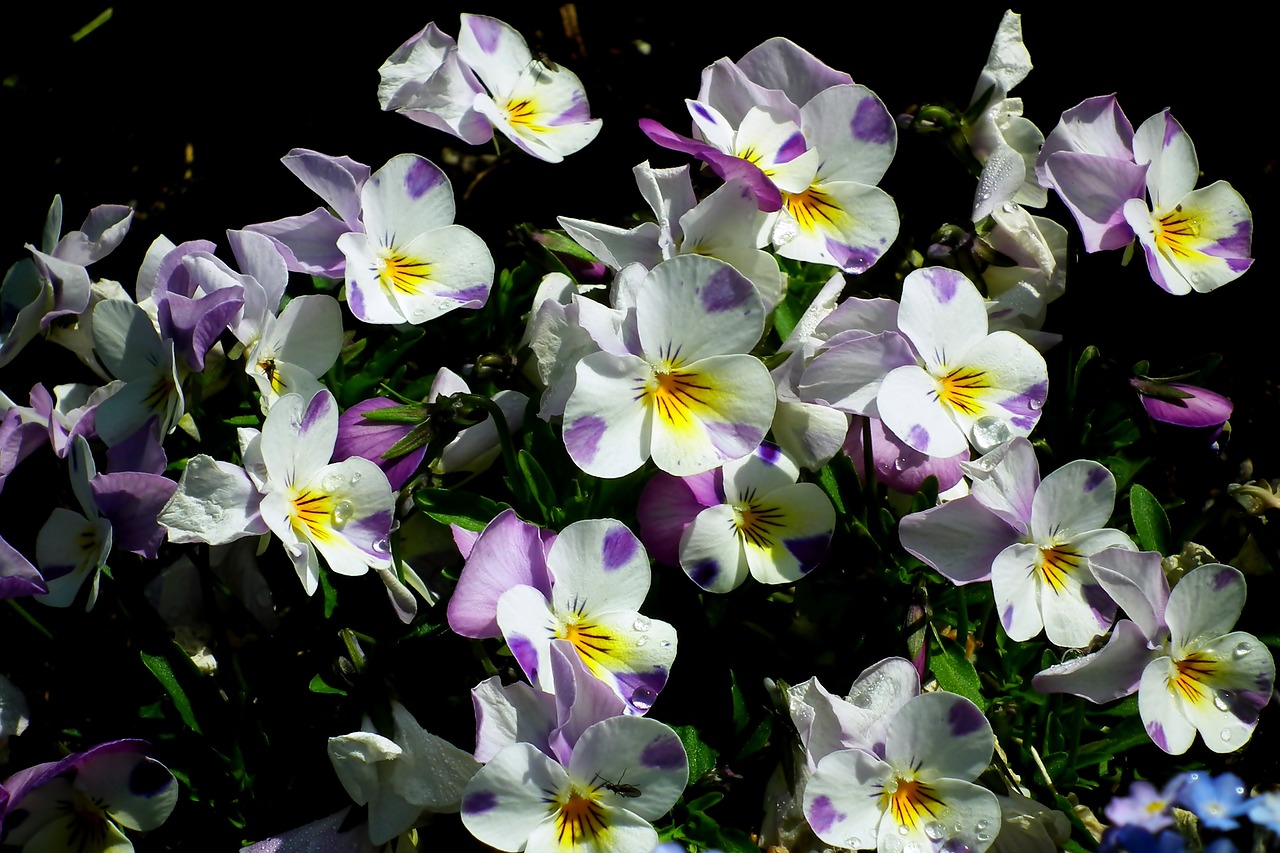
pixel 308 243
pixel 1095 190
pixel 691 307
pixel 131 500
pixel 508 553
pixel 778 147
pixel 1135 580
pixel 942 315
pixel 598 566
pixel 298 437
pixel 853 131
pixel 616 247
pixel 337 180
pixel 1094 126
pixel 125 339
pixel 635 751
pixel 495 51
pixel 961 539
pixel 945 731
pixel 709 412
pixel 102 231
pixel 842 223
pixel 1174 168
pixel 18 578
pixel 667 506
pixel 581 700
pixel 1005 481
pixel 1074 499
pixel 1107 674
pixel 726 88
pixel 406 197
pixel 1009 61
pixel 137 791
pixel 426 81
pixel 848 376
pixel 727 166
pixel 758 474
pixel 809 433
pixel 781 64
pixel 1206 603
pixel 607 423
pixel 507 714
pixel 308 333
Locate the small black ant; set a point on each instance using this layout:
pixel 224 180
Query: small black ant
pixel 628 791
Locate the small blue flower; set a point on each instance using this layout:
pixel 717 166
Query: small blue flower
pixel 1217 802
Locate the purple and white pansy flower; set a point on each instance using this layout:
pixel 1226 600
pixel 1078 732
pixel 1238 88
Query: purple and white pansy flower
pixel 538 105
pixel 1032 539
pixel 1191 671
pixel 682 389
pixel 624 772
pixel 919 794
pixel 411 263
pixel 759 521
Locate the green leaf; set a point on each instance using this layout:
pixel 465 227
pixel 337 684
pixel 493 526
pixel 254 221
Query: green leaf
pixel 330 594
pixel 562 244
pixel 702 758
pixel 160 668
pixel 954 671
pixel 1149 520
pixel 1090 353
pixel 540 488
pixel 758 739
pixel 740 716
pixel 465 509
pixel 319 685
pixel 737 841
pixel 242 421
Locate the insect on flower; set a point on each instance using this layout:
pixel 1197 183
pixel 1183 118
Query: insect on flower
pixel 628 791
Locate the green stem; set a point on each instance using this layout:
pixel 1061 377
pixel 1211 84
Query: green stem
pixel 962 618
pixel 31 620
pixel 508 448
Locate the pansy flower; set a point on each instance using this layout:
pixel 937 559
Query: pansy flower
pixel 411 263
pixel 624 773
pixel 761 522
pixel 920 793
pixel 684 390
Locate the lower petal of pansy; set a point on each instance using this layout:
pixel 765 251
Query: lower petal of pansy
pixel 938 811
pixel 841 223
pixel 785 534
pixel 138 792
pixel 607 427
pixel 911 406
pixel 1161 705
pixel 582 823
pixel 1232 676
pixel 709 412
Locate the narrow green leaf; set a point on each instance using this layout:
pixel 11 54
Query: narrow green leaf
pixel 954 671
pixel 330 594
pixel 758 739
pixel 827 480
pixel 562 244
pixel 242 421
pixel 319 685
pixel 540 488
pixel 103 17
pixel 168 679
pixel 740 716
pixel 465 509
pixel 1149 520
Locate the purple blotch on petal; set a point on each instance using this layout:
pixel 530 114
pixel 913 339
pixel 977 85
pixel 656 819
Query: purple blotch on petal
pixel 487 32
pixel 1096 478
pixel 725 289
pixel 479 293
pixel 1224 578
pixel 964 718
pixel 1007 616
pixel 1246 704
pixel 355 299
pixel 1170 130
pixel 792 148
pixel 1239 264
pixel 734 440
pixel 640 689
pixel 577 112
pixel 822 815
pixel 704 112
pixel 479 801
pixel 809 550
pixel 377 525
pixel 918 437
pixel 318 407
pixel 421 177
pixel 704 572
pixel 872 123
pixel 582 437
pixel 1023 422
pixel 1157 735
pixel 1236 246
pixel 769 453
pixel 944 287
pixel 619 547
pixel 525 654
pixel 663 753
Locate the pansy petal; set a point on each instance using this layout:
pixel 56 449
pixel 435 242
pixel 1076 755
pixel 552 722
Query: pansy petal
pixel 941 314
pixel 1074 499
pixel 947 728
pixel 842 802
pixel 494 50
pixel 612 829
pixel 298 437
pixel 508 553
pixel 352 528
pixel 854 131
pixel 1002 377
pixel 1095 189
pixel 909 406
pixel 337 180
pixel 607 425
pixel 1017 591
pixel 710 552
pixel 787 532
pixel 636 751
pixel 407 196
pixel 967 813
pixel 841 223
pixel 1174 168
pixel 691 307
pixel 507 714
pixel 1107 674
pixel 507 799
pixel 961 539
pixel 308 243
pixel 215 502
pixel 138 792
pixel 1162 709
pixel 1206 603
pixel 528 625
pixel 627 651
pixel 598 565
pixel 1136 581
pixel 667 506
pixel 779 63
pixel 848 377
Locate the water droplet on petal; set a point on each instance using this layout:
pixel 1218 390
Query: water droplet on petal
pixel 642 624
pixel 853 842
pixel 642 698
pixel 342 512
pixel 1009 207
pixel 900 463
pixel 640 641
pixel 934 830
pixel 862 700
pixel 954 845
pixel 784 232
pixel 382 546
pixel 982 824
pixel 1035 404
pixel 355 477
pixel 1225 734
pixel 1242 649
pixel 989 432
pixel 902 830
pixel 331 482
pixel 984 836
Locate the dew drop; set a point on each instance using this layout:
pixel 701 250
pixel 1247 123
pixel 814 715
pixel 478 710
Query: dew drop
pixel 382 546
pixel 1242 649
pixel 642 698
pixel 1225 734
pixel 1009 207
pixel 640 641
pixel 1035 404
pixel 984 836
pixel 342 512
pixel 902 830
pixel 982 824
pixel 331 482
pixel 784 232
pixel 857 265
pixel 934 830
pixel 900 463
pixel 853 842
pixel 355 477
pixel 954 845
pixel 990 432
pixel 862 700
pixel 641 624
